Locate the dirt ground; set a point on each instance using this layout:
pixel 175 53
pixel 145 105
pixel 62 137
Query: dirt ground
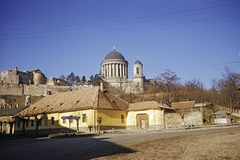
pixel 214 146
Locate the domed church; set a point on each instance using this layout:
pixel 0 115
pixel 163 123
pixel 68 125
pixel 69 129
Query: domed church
pixel 114 70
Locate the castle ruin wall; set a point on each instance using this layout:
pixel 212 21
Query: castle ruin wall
pixel 9 77
pixel 43 90
pixel 34 90
pixel 11 89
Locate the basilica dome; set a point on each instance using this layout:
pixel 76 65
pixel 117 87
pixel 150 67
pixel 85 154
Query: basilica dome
pixel 114 55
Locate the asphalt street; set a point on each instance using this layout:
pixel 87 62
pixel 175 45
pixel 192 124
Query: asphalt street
pixel 87 147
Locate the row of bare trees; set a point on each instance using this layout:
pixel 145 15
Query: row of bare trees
pixel 223 91
pixel 168 89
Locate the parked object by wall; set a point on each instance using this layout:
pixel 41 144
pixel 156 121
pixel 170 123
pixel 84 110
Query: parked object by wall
pixel 221 117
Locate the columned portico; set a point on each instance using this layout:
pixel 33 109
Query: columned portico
pixel 114 70
pixel 114 65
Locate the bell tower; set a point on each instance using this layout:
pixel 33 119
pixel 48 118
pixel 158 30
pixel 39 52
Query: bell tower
pixel 138 75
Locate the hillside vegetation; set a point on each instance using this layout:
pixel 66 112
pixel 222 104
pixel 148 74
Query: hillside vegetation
pixel 20 100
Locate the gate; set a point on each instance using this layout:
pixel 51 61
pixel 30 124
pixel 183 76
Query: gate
pixel 142 121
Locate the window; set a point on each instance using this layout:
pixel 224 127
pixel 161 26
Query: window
pixel 137 70
pixel 32 122
pixel 122 118
pixel 52 120
pixel 84 118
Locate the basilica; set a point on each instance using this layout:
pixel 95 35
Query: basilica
pixel 114 70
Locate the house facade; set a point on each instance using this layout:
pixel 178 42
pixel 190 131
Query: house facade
pixel 146 115
pixel 91 110
pixel 94 108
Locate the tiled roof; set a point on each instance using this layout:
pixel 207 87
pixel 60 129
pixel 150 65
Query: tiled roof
pixel 75 100
pixel 145 105
pixel 36 70
pixel 183 105
pixel 109 101
pixel 11 111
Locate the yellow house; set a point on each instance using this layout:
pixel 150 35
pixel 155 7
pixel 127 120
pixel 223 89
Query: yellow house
pixel 81 110
pixel 146 115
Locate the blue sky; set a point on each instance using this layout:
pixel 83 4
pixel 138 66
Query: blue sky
pixel 194 38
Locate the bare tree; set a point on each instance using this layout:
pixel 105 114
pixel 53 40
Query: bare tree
pixel 99 120
pixel 194 90
pixel 168 82
pixel 227 88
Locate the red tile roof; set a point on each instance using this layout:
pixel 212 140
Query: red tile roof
pixel 183 105
pixel 146 105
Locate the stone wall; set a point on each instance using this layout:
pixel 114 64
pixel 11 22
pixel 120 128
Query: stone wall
pixel 39 90
pixel 9 77
pixel 11 89
pixel 35 90
pixel 57 82
pixel 174 120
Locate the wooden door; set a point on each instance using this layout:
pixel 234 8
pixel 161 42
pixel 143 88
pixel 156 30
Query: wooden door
pixel 142 121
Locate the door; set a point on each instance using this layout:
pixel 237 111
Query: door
pixel 142 121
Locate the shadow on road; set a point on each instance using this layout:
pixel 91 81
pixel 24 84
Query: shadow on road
pixel 87 147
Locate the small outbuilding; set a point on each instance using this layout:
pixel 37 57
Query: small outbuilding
pixel 221 117
pixel 7 119
pixel 147 115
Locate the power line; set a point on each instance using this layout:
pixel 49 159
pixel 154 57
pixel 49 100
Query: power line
pixel 197 66
pixel 132 20
pixel 127 28
pixel 106 18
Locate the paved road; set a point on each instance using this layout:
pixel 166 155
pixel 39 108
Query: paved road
pixel 86 147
